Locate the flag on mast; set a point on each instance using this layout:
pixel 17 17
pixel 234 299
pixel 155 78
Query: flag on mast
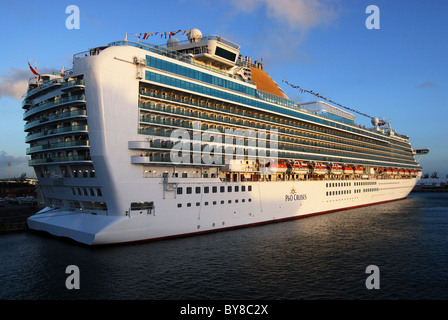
pixel 34 71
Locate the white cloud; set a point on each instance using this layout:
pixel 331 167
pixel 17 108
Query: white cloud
pixel 284 25
pixel 13 83
pixel 297 14
pixel 300 14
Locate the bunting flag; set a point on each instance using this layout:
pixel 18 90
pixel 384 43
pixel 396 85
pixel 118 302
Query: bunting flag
pixel 329 100
pixel 34 71
pixel 146 35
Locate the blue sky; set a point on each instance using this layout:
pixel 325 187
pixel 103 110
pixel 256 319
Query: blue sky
pixel 397 72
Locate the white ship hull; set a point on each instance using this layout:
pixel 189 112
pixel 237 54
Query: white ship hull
pixel 269 202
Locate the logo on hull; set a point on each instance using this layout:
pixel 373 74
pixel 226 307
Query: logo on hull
pixel 293 196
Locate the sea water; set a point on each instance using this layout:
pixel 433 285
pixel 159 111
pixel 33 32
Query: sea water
pixel 319 257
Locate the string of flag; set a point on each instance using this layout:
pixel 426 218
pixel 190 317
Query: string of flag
pixel 328 100
pixel 146 35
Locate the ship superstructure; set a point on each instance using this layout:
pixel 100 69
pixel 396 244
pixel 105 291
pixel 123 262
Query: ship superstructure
pixel 141 141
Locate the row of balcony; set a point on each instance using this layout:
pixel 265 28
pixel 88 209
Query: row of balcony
pixel 286 135
pixel 52 83
pixel 64 115
pixel 189 125
pixel 337 127
pixel 244 118
pixel 44 87
pixel 77 83
pixel 58 145
pixel 58 102
pixel 78 158
pixel 293 151
pixel 196 158
pixel 82 128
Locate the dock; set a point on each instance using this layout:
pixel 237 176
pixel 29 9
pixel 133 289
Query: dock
pixel 431 185
pixel 13 216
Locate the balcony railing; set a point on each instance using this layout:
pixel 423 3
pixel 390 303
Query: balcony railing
pixel 45 85
pixel 54 131
pixel 77 82
pixel 306 149
pixel 81 158
pixel 78 98
pixel 226 118
pixel 63 115
pixel 59 145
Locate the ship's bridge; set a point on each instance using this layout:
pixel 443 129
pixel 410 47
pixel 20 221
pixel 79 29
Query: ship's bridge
pixel 420 152
pixel 211 50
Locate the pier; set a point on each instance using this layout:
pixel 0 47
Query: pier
pixel 431 185
pixel 13 215
pixel 18 201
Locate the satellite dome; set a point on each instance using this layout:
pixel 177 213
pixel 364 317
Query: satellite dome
pixel 172 42
pixel 195 35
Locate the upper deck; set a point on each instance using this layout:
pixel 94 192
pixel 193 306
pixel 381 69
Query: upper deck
pixel 174 54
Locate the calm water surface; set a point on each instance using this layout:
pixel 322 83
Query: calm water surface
pixel 321 257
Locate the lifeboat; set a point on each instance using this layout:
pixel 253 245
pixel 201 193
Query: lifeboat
pixel 276 167
pixel 336 169
pixel 359 170
pixel 319 168
pixel 401 172
pixel 394 171
pixel 348 170
pixel 407 173
pixel 237 165
pixel 300 167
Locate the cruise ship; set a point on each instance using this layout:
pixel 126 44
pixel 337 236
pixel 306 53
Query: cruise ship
pixel 140 141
